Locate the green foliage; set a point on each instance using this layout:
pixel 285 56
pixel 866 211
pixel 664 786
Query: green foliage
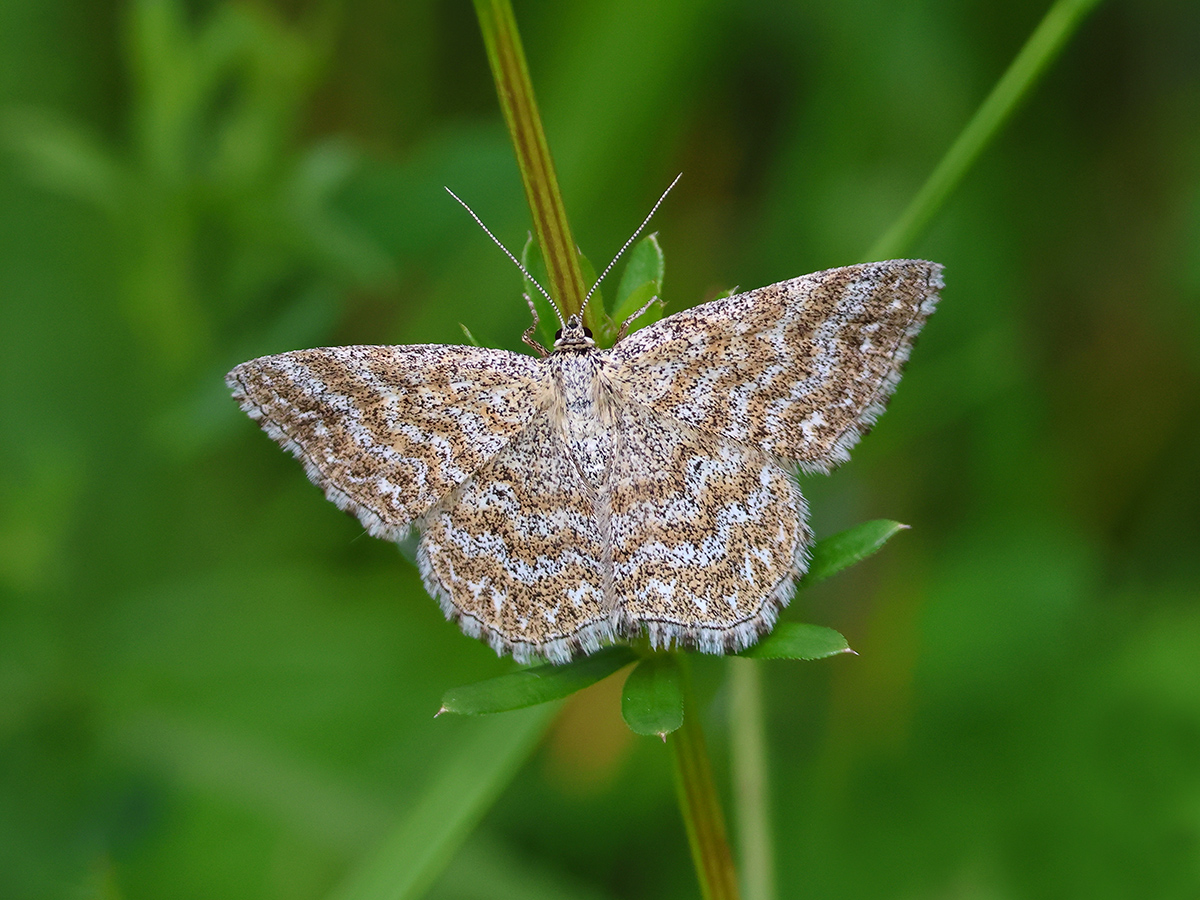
pixel 641 281
pixel 422 843
pixel 837 552
pixel 652 701
pixel 540 684
pixel 547 314
pixel 793 640
pixel 214 685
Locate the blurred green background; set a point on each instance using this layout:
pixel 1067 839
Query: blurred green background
pixel 212 684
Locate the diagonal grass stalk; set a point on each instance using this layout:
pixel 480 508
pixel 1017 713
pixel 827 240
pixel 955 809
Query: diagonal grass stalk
pixel 1040 50
pixel 748 751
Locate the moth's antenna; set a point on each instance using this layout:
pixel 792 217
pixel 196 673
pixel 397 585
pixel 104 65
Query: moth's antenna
pixel 632 238
pixel 508 253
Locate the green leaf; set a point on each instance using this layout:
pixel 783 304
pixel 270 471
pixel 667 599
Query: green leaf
pixel 642 278
pixel 650 314
pixel 793 640
pixel 535 265
pixel 844 549
pixel 538 685
pixel 596 301
pixel 652 701
pixel 462 788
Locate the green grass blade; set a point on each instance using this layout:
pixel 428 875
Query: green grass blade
pixel 422 844
pixel 844 549
pixel 652 701
pixel 1043 46
pixel 793 640
pixel 515 90
pixel 530 687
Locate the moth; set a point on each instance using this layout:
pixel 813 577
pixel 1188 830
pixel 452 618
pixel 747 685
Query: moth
pixel 595 495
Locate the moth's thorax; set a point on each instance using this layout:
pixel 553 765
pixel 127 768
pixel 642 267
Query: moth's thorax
pixel 581 407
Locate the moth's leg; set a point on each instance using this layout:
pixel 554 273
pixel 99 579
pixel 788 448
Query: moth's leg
pixel 624 330
pixel 528 337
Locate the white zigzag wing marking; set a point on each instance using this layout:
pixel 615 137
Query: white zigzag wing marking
pixel 801 368
pixel 594 495
pixel 389 431
pixel 708 536
pixel 517 554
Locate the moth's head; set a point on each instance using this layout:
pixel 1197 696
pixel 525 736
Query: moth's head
pixel 573 336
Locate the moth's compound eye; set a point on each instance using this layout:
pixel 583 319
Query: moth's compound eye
pixel 587 332
pixel 558 335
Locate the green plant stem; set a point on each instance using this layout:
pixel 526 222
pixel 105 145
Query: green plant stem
pixel 507 59
pixel 751 790
pixel 747 733
pixel 1043 46
pixel 698 801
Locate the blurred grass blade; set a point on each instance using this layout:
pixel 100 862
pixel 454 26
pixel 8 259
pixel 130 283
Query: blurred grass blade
pixel 1043 46
pixel 844 549
pixel 652 700
pixel 65 158
pixel 515 90
pixel 794 640
pixel 530 687
pixel 410 859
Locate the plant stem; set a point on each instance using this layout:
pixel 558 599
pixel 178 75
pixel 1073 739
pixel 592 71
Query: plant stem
pixel 698 801
pixel 748 744
pixel 1043 46
pixel 515 90
pixel 751 791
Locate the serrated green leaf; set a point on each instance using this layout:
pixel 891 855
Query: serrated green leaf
pixel 530 687
pixel 641 279
pixel 589 278
pixel 652 700
pixel 844 549
pixel 535 265
pixel 649 315
pixel 793 640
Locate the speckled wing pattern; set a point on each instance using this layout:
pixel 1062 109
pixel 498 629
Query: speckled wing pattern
pixel 596 495
pixel 800 369
pixel 708 535
pixel 389 431
pixel 517 554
